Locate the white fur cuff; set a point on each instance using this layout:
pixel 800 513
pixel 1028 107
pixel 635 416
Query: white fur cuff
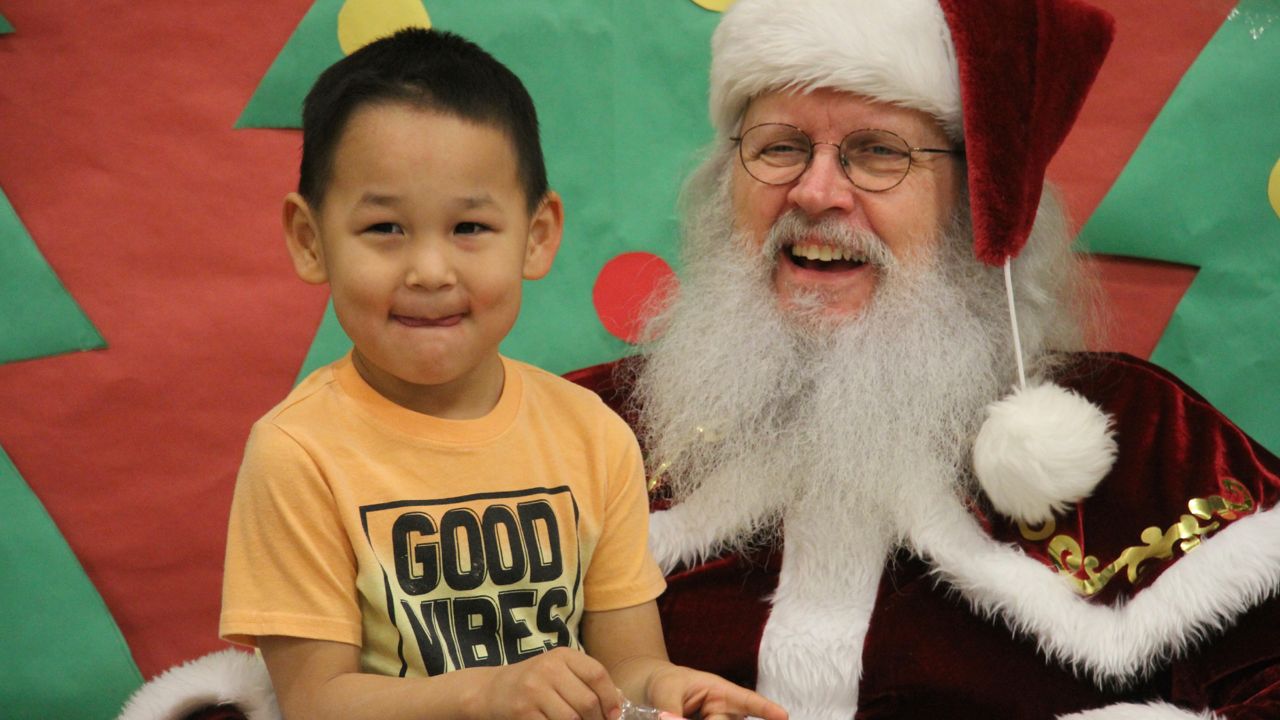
pixel 227 677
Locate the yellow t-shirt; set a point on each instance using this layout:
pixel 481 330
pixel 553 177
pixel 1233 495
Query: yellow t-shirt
pixel 436 544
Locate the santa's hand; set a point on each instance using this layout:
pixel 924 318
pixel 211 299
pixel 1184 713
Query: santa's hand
pixel 689 692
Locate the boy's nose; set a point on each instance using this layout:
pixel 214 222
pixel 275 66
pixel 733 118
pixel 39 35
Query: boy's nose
pixel 429 268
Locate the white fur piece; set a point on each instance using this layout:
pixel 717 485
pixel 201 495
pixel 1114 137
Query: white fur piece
pixel 1201 594
pixel 1041 449
pixel 897 51
pixel 700 525
pixel 1133 711
pixel 225 677
pixel 670 543
pixel 810 653
pixel 684 536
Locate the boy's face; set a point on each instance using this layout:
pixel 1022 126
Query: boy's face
pixel 424 237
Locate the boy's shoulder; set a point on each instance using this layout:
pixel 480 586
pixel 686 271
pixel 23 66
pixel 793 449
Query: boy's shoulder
pixel 304 399
pixel 543 387
pixel 541 381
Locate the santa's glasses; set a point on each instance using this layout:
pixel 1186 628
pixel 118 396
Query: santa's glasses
pixel 873 160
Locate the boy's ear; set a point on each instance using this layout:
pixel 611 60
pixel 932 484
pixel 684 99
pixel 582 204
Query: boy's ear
pixel 302 237
pixel 545 229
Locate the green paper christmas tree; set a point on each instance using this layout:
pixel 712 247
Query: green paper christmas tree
pixel 1203 189
pixel 64 656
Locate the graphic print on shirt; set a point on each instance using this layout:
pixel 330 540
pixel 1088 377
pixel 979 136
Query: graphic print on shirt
pixel 483 579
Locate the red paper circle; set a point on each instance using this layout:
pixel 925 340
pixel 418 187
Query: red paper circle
pixel 623 289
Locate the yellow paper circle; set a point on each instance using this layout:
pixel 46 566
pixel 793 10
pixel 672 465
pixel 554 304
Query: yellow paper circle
pixel 360 22
pixel 1273 188
pixel 714 5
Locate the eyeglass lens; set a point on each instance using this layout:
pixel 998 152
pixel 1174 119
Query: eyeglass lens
pixel 777 154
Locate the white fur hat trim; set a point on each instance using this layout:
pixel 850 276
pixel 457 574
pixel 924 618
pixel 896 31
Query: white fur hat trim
pixel 896 51
pixel 1041 449
pixel 227 677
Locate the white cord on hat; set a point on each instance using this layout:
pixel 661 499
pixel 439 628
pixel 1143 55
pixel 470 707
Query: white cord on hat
pixel 1013 319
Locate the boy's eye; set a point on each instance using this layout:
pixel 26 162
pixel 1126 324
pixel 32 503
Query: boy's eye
pixel 470 228
pixel 386 228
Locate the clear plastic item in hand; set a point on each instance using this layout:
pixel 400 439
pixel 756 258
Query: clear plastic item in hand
pixel 632 711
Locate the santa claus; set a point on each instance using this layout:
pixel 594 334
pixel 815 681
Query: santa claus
pixel 889 500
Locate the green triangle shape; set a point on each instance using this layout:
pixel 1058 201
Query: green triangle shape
pixel 329 344
pixel 602 116
pixel 1195 192
pixel 277 102
pixel 5 26
pixel 40 318
pixel 64 657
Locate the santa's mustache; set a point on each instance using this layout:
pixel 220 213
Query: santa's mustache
pixel 797 228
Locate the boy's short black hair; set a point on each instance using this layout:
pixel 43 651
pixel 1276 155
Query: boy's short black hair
pixel 432 69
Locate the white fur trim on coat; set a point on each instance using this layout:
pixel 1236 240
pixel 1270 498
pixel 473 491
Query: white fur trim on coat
pixel 821 609
pixel 227 677
pixel 1041 449
pixel 1200 595
pixel 1132 711
pixel 896 51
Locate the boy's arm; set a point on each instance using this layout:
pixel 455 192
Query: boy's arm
pixel 320 679
pixel 628 642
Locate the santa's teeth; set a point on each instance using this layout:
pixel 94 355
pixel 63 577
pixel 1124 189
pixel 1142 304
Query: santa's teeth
pixel 808 252
pixel 826 253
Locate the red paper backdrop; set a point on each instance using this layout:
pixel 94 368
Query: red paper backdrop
pixel 118 153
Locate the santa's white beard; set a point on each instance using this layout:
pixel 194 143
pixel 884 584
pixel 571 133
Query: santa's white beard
pixel 840 430
pixel 854 422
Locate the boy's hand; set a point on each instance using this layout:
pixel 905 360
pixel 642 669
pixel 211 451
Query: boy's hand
pixel 686 691
pixel 563 684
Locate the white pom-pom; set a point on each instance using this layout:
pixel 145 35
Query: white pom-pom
pixel 1040 450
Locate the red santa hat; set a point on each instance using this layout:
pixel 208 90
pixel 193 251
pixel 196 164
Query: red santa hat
pixel 1006 78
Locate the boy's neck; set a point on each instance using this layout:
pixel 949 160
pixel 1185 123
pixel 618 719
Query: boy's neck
pixel 469 397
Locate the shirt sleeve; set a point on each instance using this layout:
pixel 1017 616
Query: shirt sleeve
pixel 623 572
pixel 290 569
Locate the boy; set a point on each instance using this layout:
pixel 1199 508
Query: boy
pixel 425 529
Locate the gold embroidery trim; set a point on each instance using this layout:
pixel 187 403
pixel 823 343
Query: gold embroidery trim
pixel 1186 535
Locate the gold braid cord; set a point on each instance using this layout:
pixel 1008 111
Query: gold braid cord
pixel 658 479
pixel 1086 571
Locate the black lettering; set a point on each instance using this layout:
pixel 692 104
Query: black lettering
pixel 459 527
pixel 430 645
pixel 503 570
pixel 475 623
pixel 542 568
pixel 515 630
pixel 549 622
pixel 425 555
pixel 441 609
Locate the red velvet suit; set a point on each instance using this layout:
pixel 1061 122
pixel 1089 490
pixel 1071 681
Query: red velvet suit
pixel 929 655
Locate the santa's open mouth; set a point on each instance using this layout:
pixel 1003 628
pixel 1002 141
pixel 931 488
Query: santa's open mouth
pixel 823 258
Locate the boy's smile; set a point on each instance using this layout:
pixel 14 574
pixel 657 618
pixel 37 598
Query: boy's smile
pixel 425 238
